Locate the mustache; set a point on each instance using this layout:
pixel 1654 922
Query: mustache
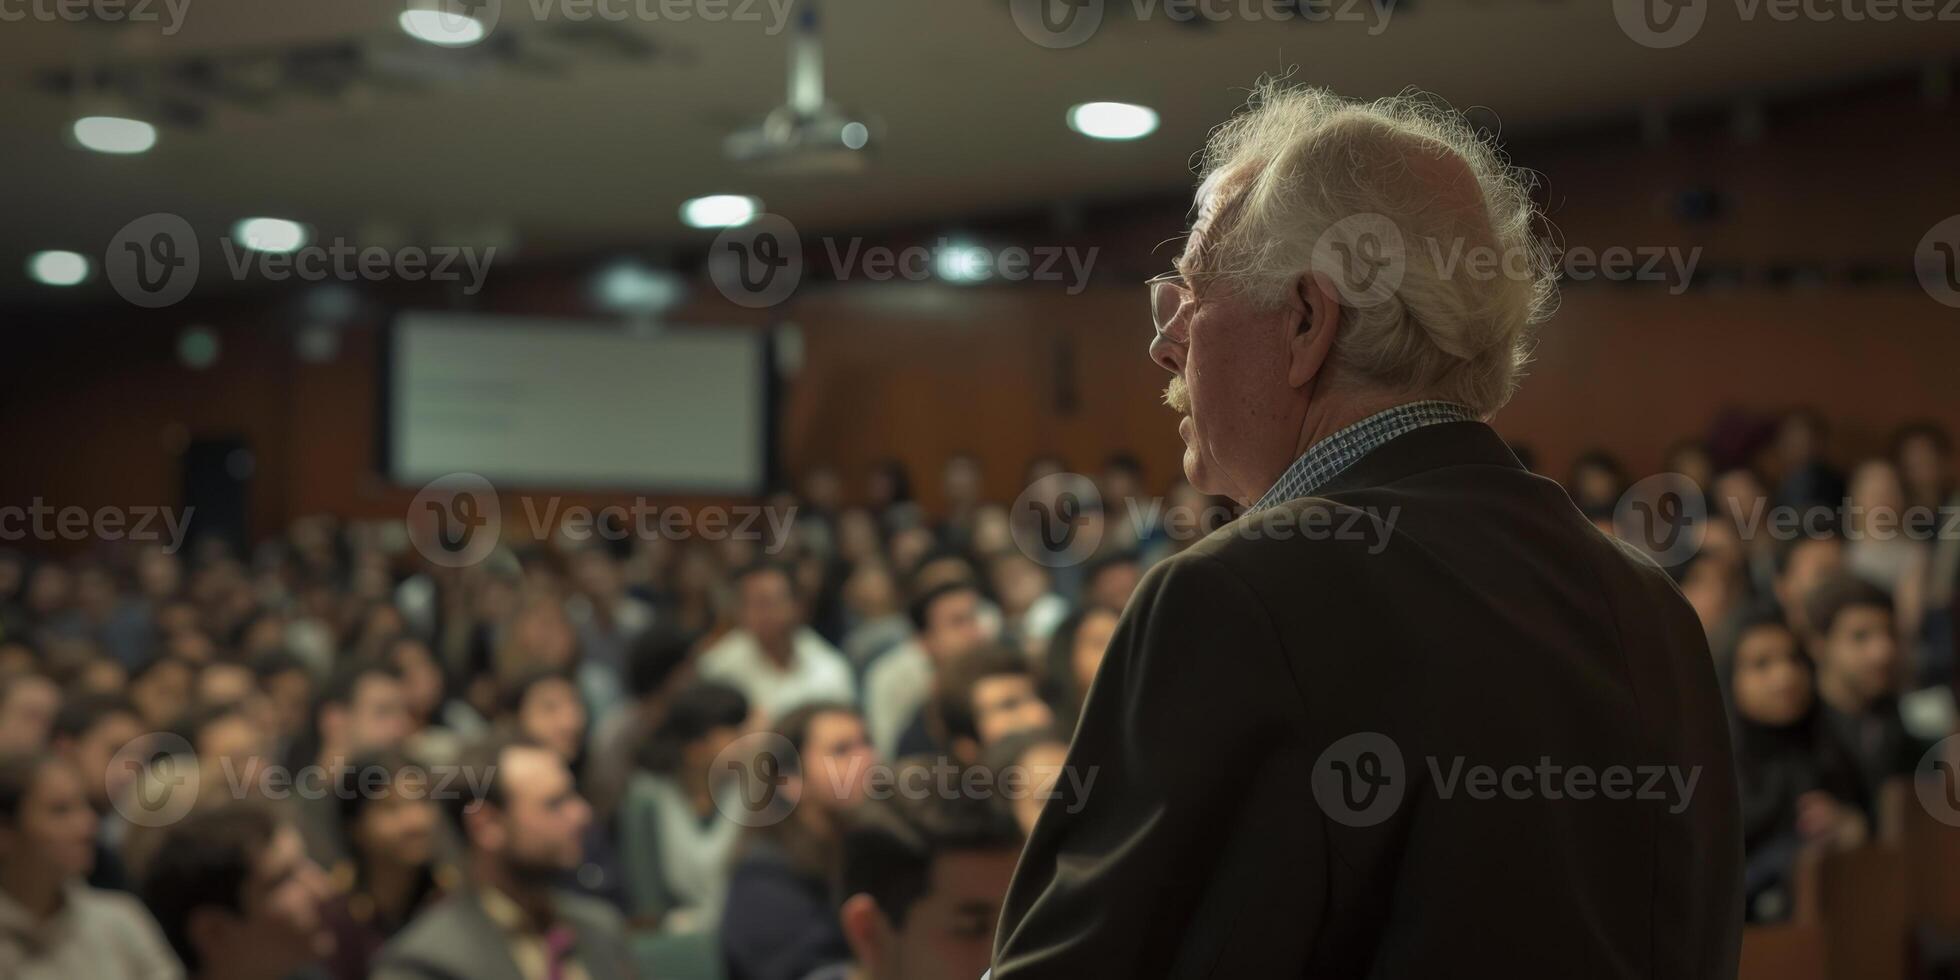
pixel 1177 396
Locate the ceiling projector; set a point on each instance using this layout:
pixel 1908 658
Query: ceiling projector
pixel 809 135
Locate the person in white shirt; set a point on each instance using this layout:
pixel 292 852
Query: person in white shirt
pixel 52 925
pixel 775 660
pixel 949 620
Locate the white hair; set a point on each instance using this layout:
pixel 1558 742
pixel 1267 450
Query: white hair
pixel 1311 174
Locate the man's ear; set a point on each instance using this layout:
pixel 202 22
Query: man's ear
pixel 1312 343
pixel 864 928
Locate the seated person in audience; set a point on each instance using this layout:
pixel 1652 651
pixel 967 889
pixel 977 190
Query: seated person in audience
pixel 1030 610
pixel 1026 766
pixel 1858 678
pixel 542 706
pixel 1111 579
pixel 52 925
pixel 88 732
pixel 161 690
pixel 947 622
pixel 1806 562
pixel 922 882
pixel 1595 483
pixel 1713 580
pixel 1074 653
pixel 780 921
pixel 775 660
pixel 236 895
pixel 362 708
pixel 656 668
pixel 875 622
pixel 521 820
pixel 1807 479
pixel 985 695
pixel 1799 786
pixel 288 683
pixel 424 691
pixel 540 634
pixel 674 840
pixel 28 703
pixel 391 873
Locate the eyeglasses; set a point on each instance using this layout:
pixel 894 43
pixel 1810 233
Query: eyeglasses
pixel 1168 295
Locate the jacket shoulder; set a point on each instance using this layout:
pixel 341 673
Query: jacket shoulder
pixel 438 936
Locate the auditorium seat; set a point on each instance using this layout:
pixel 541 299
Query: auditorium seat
pixel 1790 951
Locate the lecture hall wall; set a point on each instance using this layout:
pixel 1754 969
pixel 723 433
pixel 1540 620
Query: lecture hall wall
pixel 97 412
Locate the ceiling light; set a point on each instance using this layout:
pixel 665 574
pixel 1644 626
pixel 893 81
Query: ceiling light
pixel 628 286
pixel 270 234
pixel 964 263
pixel 115 134
pixel 444 27
pixel 1113 120
pixel 58 268
pixel 719 210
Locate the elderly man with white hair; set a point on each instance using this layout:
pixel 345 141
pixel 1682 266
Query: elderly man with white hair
pixel 1412 715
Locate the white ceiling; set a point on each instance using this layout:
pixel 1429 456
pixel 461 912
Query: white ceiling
pixel 971 110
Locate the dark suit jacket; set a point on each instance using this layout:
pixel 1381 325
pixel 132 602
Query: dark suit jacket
pixel 456 940
pixel 1491 625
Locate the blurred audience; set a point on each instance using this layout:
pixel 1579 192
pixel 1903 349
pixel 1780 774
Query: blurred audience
pixel 329 688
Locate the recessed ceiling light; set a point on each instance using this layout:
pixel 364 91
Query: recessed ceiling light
pixel 270 234
pixel 719 210
pixel 58 268
pixel 115 134
pixel 444 27
pixel 1113 120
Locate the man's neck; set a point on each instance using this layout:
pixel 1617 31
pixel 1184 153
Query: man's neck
pixel 40 896
pixel 1327 414
pixel 392 886
pixel 531 896
pixel 1839 696
pixel 781 651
